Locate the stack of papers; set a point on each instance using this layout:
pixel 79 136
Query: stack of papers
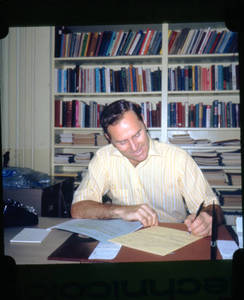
pixel 30 235
pixel 101 230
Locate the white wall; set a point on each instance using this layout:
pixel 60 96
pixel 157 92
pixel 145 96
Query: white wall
pixel 25 72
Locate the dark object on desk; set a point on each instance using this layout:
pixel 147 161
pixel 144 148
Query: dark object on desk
pixel 6 159
pixel 51 201
pixel 74 248
pixel 213 243
pixel 17 214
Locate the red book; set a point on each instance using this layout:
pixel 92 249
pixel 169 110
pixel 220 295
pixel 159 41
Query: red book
pixel 179 114
pixel 58 113
pixel 171 41
pixel 69 113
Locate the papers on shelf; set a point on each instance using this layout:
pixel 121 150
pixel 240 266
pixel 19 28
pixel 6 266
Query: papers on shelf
pixel 101 230
pixel 105 250
pixel 156 240
pixel 30 235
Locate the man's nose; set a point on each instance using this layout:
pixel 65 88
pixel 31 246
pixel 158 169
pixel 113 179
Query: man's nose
pixel 133 145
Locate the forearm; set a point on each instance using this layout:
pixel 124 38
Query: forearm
pixel 89 209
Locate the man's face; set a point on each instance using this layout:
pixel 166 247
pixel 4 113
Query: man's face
pixel 129 136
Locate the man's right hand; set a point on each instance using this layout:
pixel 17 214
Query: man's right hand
pixel 142 212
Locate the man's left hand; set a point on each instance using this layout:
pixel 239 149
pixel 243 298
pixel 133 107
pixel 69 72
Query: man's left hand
pixel 202 226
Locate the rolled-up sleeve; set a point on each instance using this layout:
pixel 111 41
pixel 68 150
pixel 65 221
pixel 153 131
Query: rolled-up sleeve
pixel 195 187
pixel 94 184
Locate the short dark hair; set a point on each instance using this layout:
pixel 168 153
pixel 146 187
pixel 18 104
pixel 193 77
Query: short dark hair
pixel 113 112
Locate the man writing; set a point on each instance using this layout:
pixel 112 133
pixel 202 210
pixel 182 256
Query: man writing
pixel 147 181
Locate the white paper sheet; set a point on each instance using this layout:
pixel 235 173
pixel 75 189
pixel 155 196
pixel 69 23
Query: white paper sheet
pixel 30 235
pixel 101 230
pixel 239 230
pixel 105 250
pixel 227 248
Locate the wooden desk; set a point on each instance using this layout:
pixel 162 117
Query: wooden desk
pixel 37 254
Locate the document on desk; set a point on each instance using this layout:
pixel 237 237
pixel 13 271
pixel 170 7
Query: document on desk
pixel 227 248
pixel 105 250
pixel 156 240
pixel 101 230
pixel 30 235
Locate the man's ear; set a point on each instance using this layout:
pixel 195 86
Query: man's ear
pixel 144 120
pixel 107 137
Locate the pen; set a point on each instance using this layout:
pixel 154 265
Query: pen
pixel 199 210
pixel 213 248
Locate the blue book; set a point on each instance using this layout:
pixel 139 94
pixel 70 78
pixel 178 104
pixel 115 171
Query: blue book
pixel 139 43
pixel 65 81
pixel 126 42
pixel 229 42
pixel 158 44
pixel 121 44
pixel 134 79
pixel 110 43
pixel 210 42
pixel 224 42
pixel 97 80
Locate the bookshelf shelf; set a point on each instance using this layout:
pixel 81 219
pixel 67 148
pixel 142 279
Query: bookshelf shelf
pixel 115 94
pixel 204 93
pixel 65 146
pixel 203 58
pixel 164 62
pixel 103 60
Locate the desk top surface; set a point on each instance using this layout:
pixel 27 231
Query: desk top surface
pixel 38 253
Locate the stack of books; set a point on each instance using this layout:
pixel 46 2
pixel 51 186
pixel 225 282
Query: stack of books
pixel 231 198
pixel 216 177
pixel 232 158
pixel 206 158
pixel 83 139
pixel 216 115
pixel 228 142
pixel 108 43
pixel 83 157
pixel 70 158
pixel 234 178
pixel 181 139
pixel 199 78
pixel 202 41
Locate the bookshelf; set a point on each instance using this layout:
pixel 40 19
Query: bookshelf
pixel 215 78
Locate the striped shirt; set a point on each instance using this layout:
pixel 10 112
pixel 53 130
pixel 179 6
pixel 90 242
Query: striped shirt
pixel 169 180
